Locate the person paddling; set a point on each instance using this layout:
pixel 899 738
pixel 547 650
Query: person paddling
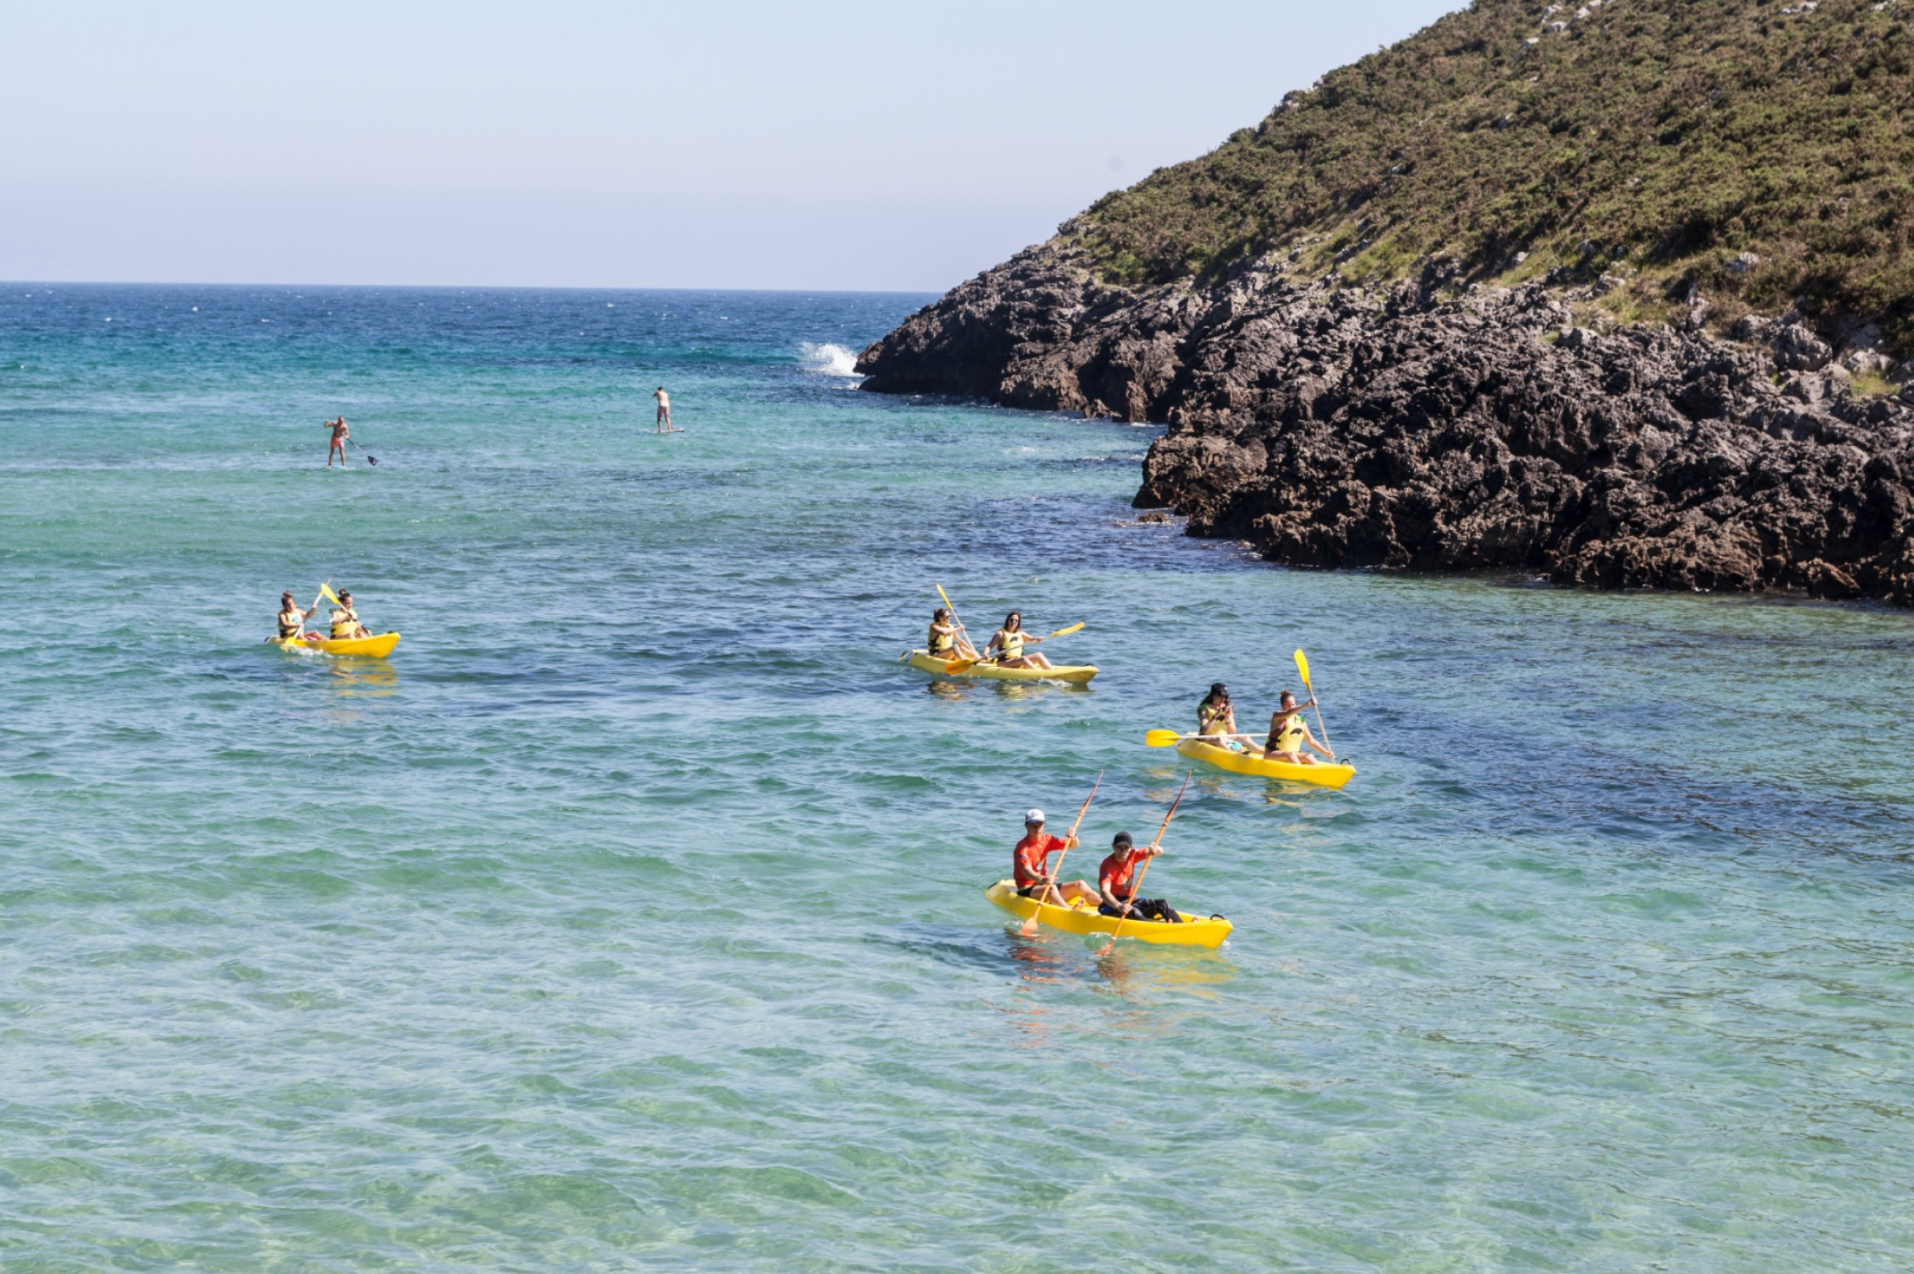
pixel 1030 864
pixel 1011 645
pixel 947 640
pixel 664 411
pixel 1216 719
pixel 1289 734
pixel 339 435
pixel 345 620
pixel 292 620
pixel 1116 883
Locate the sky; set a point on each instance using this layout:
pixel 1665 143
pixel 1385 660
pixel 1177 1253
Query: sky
pixel 580 143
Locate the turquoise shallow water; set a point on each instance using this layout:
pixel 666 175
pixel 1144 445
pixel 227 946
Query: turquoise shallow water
pixel 629 916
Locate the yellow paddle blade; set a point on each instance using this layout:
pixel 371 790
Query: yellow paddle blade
pixel 946 596
pixel 325 591
pixel 1065 632
pixel 1302 667
pixel 960 665
pixel 1161 738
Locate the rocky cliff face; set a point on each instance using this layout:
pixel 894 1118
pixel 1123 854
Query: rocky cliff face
pixel 1333 426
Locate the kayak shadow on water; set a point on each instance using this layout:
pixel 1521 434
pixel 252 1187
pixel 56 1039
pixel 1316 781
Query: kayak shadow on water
pixel 1009 691
pixel 1068 960
pixel 1132 969
pixel 363 677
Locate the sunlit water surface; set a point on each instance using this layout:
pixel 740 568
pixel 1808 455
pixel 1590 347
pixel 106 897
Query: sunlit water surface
pixel 630 915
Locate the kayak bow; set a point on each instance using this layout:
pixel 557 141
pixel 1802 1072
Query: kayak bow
pixel 1325 775
pixel 1195 931
pixel 376 647
pixel 1077 674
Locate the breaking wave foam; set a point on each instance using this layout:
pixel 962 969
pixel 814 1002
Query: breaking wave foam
pixel 831 360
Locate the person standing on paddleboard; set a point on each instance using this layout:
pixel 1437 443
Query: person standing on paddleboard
pixel 1030 864
pixel 664 411
pixel 1289 734
pixel 339 435
pixel 1116 883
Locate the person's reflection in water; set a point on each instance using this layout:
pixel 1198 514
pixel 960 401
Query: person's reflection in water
pixel 1040 962
pixel 1119 972
pixel 1037 956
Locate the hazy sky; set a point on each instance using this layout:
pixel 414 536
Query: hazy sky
pixel 703 144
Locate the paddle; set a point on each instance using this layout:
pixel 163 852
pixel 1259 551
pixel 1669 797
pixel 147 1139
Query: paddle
pixel 960 628
pixel 965 665
pixel 1170 738
pixel 370 458
pixel 1302 666
pixel 1110 946
pixel 1029 928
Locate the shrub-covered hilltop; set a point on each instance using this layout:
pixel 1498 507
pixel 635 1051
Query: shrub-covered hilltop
pixel 1656 139
pixel 1620 293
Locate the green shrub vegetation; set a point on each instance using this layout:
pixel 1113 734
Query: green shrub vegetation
pixel 1658 139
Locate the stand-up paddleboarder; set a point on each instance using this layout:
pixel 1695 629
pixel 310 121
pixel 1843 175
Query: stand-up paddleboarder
pixel 339 435
pixel 664 413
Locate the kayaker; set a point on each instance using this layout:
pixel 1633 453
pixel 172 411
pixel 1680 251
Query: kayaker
pixel 339 435
pixel 1010 644
pixel 345 620
pixel 947 641
pixel 292 620
pixel 1216 720
pixel 1030 865
pixel 1289 734
pixel 1116 883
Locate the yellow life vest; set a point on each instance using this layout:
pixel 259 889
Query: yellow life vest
pixel 1288 737
pixel 290 622
pixel 1011 646
pixel 942 642
pixel 1212 718
pixel 345 623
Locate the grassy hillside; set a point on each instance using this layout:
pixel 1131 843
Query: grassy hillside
pixel 1656 139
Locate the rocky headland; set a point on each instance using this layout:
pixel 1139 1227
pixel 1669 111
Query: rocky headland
pixel 1620 417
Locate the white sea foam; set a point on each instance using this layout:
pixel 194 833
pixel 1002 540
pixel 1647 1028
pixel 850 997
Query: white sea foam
pixel 830 360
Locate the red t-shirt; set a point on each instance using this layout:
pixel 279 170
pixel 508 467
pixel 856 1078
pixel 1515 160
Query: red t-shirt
pixel 1031 857
pixel 1115 872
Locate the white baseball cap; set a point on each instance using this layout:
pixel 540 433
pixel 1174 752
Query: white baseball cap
pixel 1032 816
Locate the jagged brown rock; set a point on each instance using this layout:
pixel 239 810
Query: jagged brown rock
pixel 1334 427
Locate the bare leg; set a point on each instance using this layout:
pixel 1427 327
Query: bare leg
pixel 1080 891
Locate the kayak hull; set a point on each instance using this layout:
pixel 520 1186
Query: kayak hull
pixel 377 646
pixel 1326 775
pixel 1195 931
pixel 1076 675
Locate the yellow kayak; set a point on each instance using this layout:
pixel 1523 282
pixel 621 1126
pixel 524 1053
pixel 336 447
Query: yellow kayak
pixel 376 647
pixel 1324 775
pixel 1195 931
pixel 1077 674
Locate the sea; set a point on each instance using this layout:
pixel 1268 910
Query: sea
pixel 631 915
